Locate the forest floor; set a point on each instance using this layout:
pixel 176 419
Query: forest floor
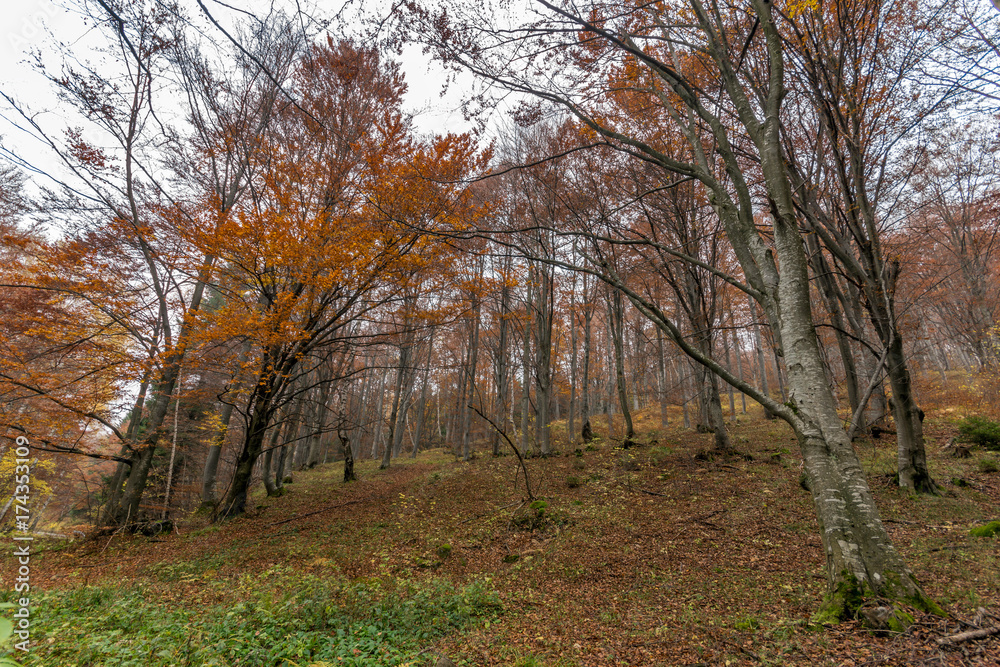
pixel 652 555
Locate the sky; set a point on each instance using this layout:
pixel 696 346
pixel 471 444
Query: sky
pixel 34 24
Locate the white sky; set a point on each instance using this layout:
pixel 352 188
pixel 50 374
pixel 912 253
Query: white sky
pixel 27 24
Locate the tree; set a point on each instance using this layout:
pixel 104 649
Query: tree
pixel 952 212
pixel 683 66
pixel 865 99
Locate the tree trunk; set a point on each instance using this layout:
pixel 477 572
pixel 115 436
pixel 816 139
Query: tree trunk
pixel 710 407
pixel 471 384
pixel 686 383
pixel 320 422
pixel 396 415
pixel 732 398
pixel 739 371
pixel 211 472
pixel 585 403
pixel 267 475
pixel 761 365
pixel 235 501
pixel 117 481
pixel 422 405
pixel 544 309
pixel 173 456
pixel 526 374
pixel 831 299
pixel 379 415
pixel 662 378
pixel 911 456
pixel 348 453
pixel 571 416
pixel 128 507
pixel 501 363
pixel 616 317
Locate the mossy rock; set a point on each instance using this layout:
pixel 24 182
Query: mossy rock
pixel 992 529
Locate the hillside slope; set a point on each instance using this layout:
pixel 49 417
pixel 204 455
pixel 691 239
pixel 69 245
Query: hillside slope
pixel 654 555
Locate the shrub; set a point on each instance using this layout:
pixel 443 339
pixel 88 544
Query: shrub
pixel 573 481
pixel 980 431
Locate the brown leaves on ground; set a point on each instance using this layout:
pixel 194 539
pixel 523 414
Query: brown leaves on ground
pixel 648 557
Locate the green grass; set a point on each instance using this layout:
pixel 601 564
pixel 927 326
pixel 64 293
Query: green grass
pixel 294 620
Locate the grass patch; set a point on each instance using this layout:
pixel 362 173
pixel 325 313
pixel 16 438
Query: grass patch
pixel 305 619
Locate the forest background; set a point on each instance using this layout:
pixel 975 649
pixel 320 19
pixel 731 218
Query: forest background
pixel 237 255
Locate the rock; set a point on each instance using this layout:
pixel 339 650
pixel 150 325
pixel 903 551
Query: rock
pixel 444 661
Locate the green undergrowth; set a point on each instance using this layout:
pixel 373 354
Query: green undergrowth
pixel 992 529
pixel 294 620
pixel 980 431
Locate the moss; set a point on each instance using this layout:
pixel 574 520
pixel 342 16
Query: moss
pixel 992 529
pixel 987 466
pixel 843 602
pixel 849 595
pixel 925 604
pixel 898 621
pixel 894 588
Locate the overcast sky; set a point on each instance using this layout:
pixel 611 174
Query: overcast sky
pixel 29 24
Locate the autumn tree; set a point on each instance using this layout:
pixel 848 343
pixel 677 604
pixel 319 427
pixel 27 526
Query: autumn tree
pixel 685 63
pixel 846 163
pixel 953 212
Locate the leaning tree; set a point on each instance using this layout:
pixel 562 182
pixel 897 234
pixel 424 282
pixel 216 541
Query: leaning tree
pixel 637 75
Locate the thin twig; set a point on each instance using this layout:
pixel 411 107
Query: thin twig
pixel 520 460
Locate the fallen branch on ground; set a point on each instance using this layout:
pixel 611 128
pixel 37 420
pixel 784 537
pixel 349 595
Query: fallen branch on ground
pixel 966 636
